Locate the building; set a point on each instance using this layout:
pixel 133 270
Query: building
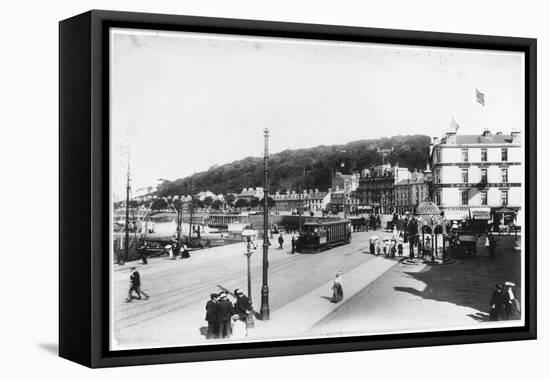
pixel 310 200
pixel 347 183
pixel 409 193
pixel 249 193
pixel 474 175
pixel 377 187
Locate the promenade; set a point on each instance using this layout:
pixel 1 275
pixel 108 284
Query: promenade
pixel 380 295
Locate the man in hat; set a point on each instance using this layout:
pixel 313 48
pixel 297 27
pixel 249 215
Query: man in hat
pixel 498 304
pixel 225 310
pixel 135 285
pixel 242 305
pixel 212 316
pixel 281 240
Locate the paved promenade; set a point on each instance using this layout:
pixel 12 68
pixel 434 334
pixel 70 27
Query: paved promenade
pixel 380 295
pixel 179 289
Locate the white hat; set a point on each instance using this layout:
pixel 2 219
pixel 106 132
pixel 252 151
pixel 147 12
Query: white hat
pixel 511 284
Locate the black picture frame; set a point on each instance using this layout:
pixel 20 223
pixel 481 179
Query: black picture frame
pixel 84 192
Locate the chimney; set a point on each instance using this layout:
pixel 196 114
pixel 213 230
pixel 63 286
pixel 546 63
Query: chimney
pixel 516 136
pixel 486 132
pixel 450 137
pixel 499 132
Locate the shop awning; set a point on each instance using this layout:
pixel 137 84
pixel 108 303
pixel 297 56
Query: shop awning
pixel 480 213
pixel 457 213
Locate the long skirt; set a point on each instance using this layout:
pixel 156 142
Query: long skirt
pixel 337 293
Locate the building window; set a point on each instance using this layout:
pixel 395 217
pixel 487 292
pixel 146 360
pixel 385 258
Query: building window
pixel 483 154
pixel 464 194
pixel 504 172
pixel 504 197
pixel 465 155
pixel 438 176
pixel 484 198
pixel 483 175
pixel 504 154
pixel 465 176
pixel 438 198
pixel 438 156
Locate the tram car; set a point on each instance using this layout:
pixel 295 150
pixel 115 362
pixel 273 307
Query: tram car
pixel 320 236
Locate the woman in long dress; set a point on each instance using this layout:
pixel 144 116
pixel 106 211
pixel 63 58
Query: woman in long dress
pixel 337 291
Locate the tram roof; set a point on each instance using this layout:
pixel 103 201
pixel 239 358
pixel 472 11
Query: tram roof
pixel 341 221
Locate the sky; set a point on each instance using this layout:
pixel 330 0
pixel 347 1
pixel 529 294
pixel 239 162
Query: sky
pixel 182 102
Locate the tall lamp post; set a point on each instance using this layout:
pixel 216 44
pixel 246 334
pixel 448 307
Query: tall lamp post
pixel 264 309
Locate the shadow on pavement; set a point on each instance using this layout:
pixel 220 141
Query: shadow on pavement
pixel 471 283
pixel 203 331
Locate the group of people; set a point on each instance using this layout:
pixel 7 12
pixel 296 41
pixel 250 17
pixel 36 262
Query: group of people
pixel 504 303
pixel 172 250
pixel 226 318
pixel 390 247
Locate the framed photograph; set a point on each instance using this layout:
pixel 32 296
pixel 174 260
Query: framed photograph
pixel 235 188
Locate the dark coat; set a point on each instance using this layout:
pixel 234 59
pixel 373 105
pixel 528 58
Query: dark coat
pixel 242 305
pixel 211 311
pixel 225 310
pixel 135 279
pixel 498 299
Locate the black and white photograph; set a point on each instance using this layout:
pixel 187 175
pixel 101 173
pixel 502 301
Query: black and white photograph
pixel 271 188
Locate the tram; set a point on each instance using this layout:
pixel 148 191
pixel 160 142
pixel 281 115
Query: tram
pixel 320 236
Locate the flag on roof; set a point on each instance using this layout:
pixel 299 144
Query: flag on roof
pixel 480 97
pixel 454 125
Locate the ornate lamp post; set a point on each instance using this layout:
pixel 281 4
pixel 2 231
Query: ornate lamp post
pixel 249 252
pixel 264 309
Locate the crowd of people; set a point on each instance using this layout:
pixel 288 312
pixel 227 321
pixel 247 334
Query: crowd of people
pixel 226 318
pixel 390 246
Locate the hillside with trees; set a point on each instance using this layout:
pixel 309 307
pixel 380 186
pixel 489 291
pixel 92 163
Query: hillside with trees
pixel 305 168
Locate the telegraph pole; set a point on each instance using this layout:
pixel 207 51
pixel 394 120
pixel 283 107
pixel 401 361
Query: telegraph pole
pixel 127 228
pixel 264 309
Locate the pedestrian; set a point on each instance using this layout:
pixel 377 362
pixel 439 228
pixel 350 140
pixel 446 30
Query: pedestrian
pixel 238 328
pixel 170 251
pixel 511 305
pixel 293 242
pixel 378 248
pixel 242 306
pixel 225 310
pixel 184 251
pixel 143 253
pixel 135 285
pixel 492 246
pixel 212 316
pixel 392 248
pixel 372 248
pixel 281 240
pixel 174 250
pixel 498 304
pixel 400 247
pixel 337 290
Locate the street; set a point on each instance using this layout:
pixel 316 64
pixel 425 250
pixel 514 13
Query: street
pixel 380 294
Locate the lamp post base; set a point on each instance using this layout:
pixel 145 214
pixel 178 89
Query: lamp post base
pixel 264 309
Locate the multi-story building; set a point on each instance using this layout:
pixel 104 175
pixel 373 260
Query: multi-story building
pixel 409 193
pixel 473 175
pixel 311 200
pixel 347 183
pixel 377 187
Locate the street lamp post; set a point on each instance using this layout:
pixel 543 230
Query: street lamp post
pixel 249 316
pixel 264 309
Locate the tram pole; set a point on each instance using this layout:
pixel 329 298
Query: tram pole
pixel 264 309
